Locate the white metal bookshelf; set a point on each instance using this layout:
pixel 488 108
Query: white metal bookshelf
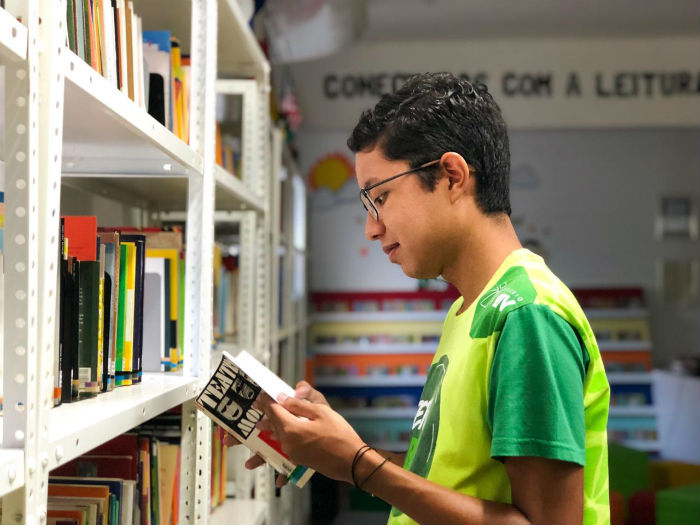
pixel 66 124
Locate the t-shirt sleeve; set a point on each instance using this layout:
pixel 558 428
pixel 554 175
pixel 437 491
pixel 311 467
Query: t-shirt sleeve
pixel 536 388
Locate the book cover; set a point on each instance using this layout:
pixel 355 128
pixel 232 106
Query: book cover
pixel 171 256
pixel 139 242
pixel 74 328
pixel 107 42
pixel 154 311
pixel 70 23
pixel 156 52
pixel 129 17
pixel 88 328
pixel 228 398
pixel 81 232
pixel 112 267
pixel 120 372
pixel 121 49
pixel 79 27
pixel 114 486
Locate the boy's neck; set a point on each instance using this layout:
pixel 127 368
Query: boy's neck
pixel 483 251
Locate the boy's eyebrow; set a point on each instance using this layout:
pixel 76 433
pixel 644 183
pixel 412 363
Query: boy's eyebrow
pixel 369 182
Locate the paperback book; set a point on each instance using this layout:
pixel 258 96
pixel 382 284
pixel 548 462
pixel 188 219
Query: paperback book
pixel 228 399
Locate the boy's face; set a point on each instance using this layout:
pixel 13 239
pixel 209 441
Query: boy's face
pixel 413 223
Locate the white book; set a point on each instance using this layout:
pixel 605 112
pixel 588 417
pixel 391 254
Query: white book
pixel 154 315
pixel 109 47
pixel 121 10
pixel 228 398
pixel 127 503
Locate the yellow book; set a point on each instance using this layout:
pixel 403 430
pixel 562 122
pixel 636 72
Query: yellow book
pixel 130 309
pixel 174 257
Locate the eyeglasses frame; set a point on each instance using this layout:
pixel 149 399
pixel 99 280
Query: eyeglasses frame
pixel 364 192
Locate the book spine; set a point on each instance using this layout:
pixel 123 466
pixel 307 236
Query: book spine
pixel 79 12
pixel 75 328
pixel 120 371
pixel 88 350
pixel 70 25
pixel 87 22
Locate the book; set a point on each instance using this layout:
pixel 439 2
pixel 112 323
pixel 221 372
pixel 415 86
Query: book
pixel 228 398
pixel 154 316
pixel 139 242
pixel 88 329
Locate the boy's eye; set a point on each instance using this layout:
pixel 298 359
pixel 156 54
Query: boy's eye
pixel 380 199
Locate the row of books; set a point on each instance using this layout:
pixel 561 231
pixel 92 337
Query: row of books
pixel 145 65
pixel 225 294
pixel 120 306
pixel 228 151
pixel 131 479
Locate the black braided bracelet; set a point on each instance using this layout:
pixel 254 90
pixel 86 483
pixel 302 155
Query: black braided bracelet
pixel 373 472
pixel 358 455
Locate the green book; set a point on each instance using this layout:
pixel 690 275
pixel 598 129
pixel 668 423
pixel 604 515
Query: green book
pixel 119 369
pixel 88 327
pixel 70 22
pixel 86 27
pixel 79 10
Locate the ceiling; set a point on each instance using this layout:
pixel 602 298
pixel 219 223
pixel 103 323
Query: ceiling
pixel 460 19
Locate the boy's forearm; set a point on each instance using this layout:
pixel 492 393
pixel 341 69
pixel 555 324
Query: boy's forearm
pixel 397 458
pixel 427 502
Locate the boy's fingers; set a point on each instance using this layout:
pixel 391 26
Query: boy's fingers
pixel 298 407
pixel 281 481
pixel 230 441
pixel 254 462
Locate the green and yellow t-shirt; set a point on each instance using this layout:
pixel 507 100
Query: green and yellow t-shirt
pixel 518 373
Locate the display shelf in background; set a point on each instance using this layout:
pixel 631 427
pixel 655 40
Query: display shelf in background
pixel 624 346
pixel 13 38
pixel 642 444
pixel 376 380
pixel 632 410
pixel 378 316
pixel 374 348
pixel 75 428
pixel 379 413
pixel 629 378
pixel 615 313
pixel 100 123
pixel 236 511
pixel 11 470
pixel 391 446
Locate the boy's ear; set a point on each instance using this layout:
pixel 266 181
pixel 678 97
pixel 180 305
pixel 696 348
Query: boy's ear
pixel 457 173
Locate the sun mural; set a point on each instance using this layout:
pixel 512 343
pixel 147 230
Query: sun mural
pixel 331 171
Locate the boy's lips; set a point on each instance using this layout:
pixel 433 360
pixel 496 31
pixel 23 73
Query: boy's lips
pixel 389 249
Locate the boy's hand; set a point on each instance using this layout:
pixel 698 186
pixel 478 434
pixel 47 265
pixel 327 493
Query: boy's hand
pixel 303 391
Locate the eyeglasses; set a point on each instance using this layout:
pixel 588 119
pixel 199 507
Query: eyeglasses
pixel 368 202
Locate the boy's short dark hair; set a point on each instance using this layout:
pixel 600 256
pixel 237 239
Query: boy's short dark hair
pixel 434 113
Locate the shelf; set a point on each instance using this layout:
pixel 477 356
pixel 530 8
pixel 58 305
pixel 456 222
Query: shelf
pixel 239 512
pixel 379 413
pixel 372 381
pixel 106 134
pixel 642 444
pixel 629 378
pixel 364 317
pixel 13 38
pixel 232 194
pixel 238 53
pixel 374 348
pixel 391 446
pixel 11 470
pixel 632 411
pixel 75 428
pixel 624 346
pixel 616 313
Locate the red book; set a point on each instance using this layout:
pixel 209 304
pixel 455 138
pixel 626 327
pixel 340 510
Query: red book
pixel 100 466
pixel 81 232
pixel 123 445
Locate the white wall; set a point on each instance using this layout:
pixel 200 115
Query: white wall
pixel 589 197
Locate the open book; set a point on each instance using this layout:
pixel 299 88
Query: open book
pixel 228 399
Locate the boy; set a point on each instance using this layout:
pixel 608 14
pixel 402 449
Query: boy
pixel 511 426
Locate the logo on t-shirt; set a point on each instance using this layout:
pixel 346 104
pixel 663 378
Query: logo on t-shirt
pixel 426 424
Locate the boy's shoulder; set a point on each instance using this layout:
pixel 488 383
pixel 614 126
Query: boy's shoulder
pixel 512 291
